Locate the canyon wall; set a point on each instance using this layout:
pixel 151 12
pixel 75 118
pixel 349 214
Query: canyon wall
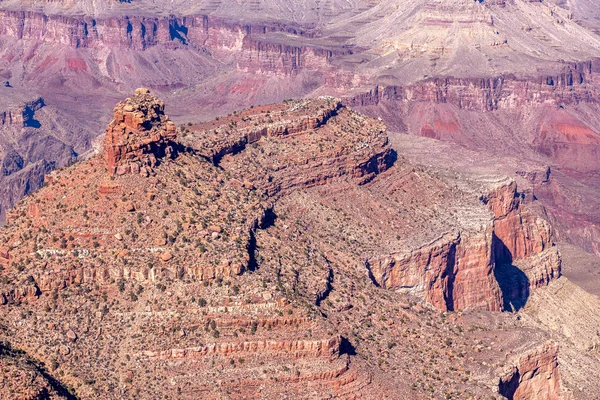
pixel 452 273
pixel 220 36
pixel 475 271
pixel 133 32
pixel 536 376
pixel 22 115
pixel 263 56
pixel 577 83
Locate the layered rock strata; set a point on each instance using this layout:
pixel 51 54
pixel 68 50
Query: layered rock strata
pixel 462 271
pixel 536 376
pixel 308 144
pixel 243 274
pixel 23 115
pixel 139 135
pixel 576 84
pixel 260 47
pixel 452 273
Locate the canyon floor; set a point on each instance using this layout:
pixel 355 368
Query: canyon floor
pixel 357 199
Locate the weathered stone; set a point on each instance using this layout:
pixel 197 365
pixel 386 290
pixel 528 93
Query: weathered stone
pixel 536 376
pixel 72 336
pixel 139 135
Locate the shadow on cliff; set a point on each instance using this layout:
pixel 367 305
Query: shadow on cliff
pixel 27 362
pixel 29 119
pixel 346 347
pixel 508 386
pixel 513 282
pixel 267 221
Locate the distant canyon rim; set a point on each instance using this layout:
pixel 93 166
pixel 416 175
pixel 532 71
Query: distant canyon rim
pixel 492 100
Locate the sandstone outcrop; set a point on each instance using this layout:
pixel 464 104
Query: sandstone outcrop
pixel 518 233
pixel 297 349
pixel 306 145
pixel 536 376
pixel 452 273
pixel 139 135
pixel 474 271
pixel 18 294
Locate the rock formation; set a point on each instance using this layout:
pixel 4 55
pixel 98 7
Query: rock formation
pixel 139 135
pixel 462 271
pixel 238 267
pixel 452 273
pixel 23 115
pixel 296 248
pixel 536 376
pixel 517 233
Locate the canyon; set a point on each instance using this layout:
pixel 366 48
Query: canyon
pixel 188 57
pixel 346 199
pixel 239 264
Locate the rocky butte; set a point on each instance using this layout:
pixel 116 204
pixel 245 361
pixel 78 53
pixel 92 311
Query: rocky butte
pixel 139 134
pixel 279 250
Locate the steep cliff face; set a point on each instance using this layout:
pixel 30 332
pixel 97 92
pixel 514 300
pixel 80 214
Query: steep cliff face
pixel 578 83
pixel 536 376
pixel 139 135
pixel 23 115
pixel 518 234
pixel 476 271
pixel 242 257
pixel 135 32
pixel 223 38
pixel 452 273
pixel 278 57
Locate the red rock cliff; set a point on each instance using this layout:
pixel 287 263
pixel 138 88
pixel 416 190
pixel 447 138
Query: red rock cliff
pixel 452 273
pixel 519 234
pixel 536 376
pixel 475 271
pixel 222 37
pixel 139 134
pixel 574 85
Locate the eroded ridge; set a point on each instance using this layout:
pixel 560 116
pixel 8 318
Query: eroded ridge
pixel 235 264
